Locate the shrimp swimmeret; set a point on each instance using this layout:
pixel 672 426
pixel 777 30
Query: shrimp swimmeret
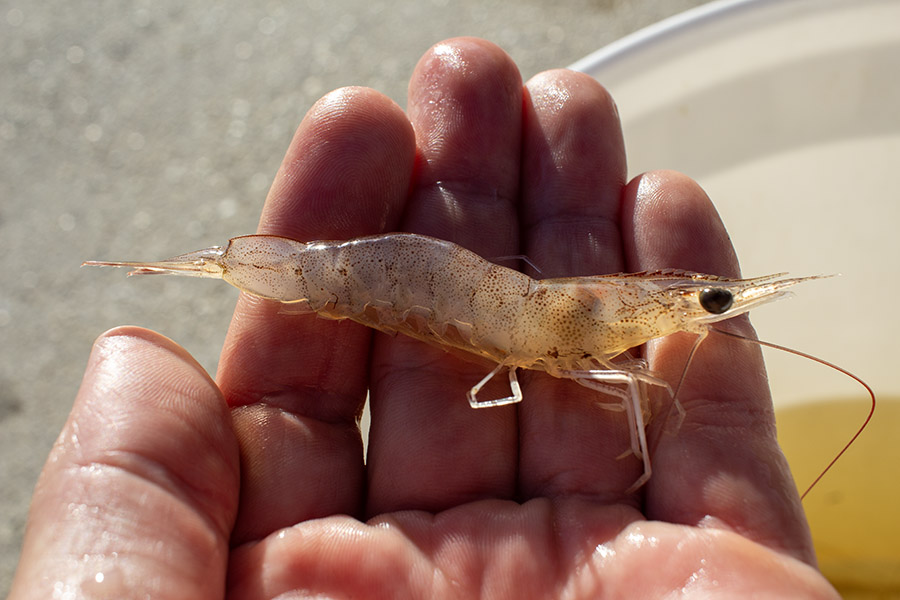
pixel 441 293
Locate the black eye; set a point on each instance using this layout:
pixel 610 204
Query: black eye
pixel 716 300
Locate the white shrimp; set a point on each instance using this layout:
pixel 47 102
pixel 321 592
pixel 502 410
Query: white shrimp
pixel 441 293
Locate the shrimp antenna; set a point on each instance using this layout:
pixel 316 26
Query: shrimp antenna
pixel 821 362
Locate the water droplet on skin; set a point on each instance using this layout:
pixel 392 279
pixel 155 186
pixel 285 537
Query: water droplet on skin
pixel 603 554
pixel 63 591
pixel 107 582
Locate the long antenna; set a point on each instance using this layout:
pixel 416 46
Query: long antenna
pixel 827 364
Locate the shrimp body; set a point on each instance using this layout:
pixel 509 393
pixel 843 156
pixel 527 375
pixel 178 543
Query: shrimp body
pixel 441 293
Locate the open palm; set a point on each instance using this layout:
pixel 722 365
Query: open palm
pixel 165 483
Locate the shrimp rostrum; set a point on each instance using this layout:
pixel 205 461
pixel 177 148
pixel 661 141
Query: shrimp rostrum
pixel 441 293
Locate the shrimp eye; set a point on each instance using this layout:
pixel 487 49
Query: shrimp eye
pixel 716 300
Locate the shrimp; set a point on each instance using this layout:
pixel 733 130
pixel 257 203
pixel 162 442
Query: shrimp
pixel 438 292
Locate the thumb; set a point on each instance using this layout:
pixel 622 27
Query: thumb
pixel 140 491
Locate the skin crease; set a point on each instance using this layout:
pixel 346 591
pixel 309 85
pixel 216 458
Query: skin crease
pixel 173 486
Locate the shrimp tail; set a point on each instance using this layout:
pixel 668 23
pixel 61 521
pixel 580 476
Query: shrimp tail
pixel 201 263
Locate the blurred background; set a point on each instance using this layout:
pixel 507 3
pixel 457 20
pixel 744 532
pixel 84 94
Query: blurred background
pixel 139 130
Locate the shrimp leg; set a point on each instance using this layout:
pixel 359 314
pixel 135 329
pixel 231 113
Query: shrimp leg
pixel 605 381
pixel 474 402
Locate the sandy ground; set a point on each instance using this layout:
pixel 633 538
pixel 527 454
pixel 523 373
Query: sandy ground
pixel 144 129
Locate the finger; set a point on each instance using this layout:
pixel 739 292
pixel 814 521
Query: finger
pixel 573 175
pixel 428 449
pixel 148 442
pixel 297 383
pixel 723 467
pixel 465 103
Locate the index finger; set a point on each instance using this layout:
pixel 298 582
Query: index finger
pixel 297 383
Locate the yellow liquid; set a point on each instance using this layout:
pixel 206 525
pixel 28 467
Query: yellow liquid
pixel 854 511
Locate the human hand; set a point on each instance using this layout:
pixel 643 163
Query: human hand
pixel 171 486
